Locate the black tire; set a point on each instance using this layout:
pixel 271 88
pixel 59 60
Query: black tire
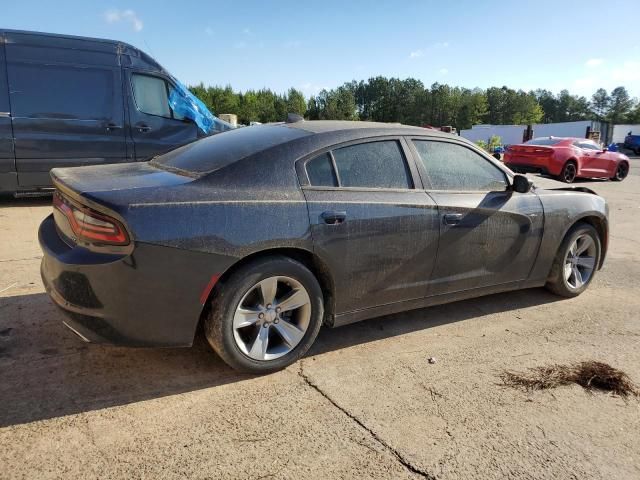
pixel 569 172
pixel 218 325
pixel 556 282
pixel 621 172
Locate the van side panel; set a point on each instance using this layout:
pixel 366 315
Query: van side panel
pixel 67 104
pixel 8 177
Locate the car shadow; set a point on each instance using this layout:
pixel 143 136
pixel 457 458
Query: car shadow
pixel 48 372
pixel 8 201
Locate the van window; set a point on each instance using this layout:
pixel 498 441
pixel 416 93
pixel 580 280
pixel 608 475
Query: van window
pixel 151 95
pixel 61 91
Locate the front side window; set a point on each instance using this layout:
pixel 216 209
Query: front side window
pixel 378 164
pixel 587 145
pixel 151 95
pixel 450 166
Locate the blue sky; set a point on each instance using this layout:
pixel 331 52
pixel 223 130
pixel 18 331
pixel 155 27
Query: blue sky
pixel 579 45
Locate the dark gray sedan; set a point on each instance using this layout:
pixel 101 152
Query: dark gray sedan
pixel 265 233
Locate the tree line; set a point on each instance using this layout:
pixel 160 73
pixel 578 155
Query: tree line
pixel 409 101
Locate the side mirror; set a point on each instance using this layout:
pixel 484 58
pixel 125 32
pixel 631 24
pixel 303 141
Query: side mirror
pixel 521 184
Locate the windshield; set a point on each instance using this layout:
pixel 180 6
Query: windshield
pixel 544 141
pixel 214 152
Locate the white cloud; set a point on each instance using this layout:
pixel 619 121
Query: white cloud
pixel 594 62
pixel 629 72
pixel 311 90
pixel 625 74
pixel 116 16
pixel 443 71
pixel 421 52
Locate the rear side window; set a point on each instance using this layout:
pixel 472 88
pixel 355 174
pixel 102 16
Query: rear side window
pixel 372 165
pixel 61 91
pixel 320 172
pixel 454 167
pixel 151 95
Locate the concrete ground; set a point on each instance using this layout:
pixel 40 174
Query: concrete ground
pixel 364 403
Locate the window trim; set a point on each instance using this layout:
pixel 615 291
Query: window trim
pixel 426 180
pixel 167 83
pixel 414 176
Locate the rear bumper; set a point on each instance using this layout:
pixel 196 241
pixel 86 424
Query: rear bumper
pixel 148 298
pixel 523 168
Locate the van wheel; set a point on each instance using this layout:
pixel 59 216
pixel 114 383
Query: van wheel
pixel 569 172
pixel 266 315
pixel 576 261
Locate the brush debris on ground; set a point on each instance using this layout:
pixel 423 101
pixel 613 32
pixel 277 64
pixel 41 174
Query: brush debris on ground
pixel 590 375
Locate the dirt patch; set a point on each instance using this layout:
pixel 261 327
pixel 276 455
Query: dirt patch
pixel 589 375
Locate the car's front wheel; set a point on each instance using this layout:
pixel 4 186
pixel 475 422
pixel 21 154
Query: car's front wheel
pixel 266 315
pixel 621 172
pixel 576 261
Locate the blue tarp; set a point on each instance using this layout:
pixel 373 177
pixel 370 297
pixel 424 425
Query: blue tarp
pixel 186 104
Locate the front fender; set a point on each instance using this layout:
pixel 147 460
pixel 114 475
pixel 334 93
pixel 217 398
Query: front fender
pixel 563 208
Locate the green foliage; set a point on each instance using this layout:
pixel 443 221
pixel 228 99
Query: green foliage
pixel 482 144
pixel 494 142
pixel 409 101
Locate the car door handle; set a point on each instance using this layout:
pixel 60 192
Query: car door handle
pixel 143 127
pixel 452 218
pixel 113 126
pixel 333 218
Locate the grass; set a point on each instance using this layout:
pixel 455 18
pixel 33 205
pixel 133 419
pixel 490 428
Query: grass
pixel 589 375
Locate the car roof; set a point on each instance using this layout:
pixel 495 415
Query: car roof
pixel 294 139
pixel 324 126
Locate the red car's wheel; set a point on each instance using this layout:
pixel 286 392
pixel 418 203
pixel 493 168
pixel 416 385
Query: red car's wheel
pixel 621 172
pixel 569 172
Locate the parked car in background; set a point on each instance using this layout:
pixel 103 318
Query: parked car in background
pixel 264 233
pixel 567 159
pixel 68 101
pixel 632 142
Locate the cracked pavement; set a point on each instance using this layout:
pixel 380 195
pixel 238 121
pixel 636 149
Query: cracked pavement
pixel 364 403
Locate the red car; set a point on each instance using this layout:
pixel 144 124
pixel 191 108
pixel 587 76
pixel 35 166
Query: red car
pixel 567 159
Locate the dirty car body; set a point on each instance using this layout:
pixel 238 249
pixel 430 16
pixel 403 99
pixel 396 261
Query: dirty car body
pixel 186 221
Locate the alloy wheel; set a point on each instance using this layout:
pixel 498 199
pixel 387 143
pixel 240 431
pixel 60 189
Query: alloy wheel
pixel 569 173
pixel 622 171
pixel 580 261
pixel 272 318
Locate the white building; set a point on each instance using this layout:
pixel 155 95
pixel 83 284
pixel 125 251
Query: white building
pixel 513 134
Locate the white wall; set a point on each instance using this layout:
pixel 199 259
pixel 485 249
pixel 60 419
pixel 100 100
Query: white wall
pixel 620 131
pixel 512 134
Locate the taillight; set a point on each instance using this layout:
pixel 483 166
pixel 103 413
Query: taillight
pixel 90 226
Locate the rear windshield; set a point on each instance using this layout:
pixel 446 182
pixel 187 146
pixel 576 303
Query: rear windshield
pixel 217 151
pixel 544 141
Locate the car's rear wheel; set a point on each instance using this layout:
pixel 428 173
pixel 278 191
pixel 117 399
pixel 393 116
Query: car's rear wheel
pixel 266 315
pixel 569 172
pixel 621 172
pixel 576 261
